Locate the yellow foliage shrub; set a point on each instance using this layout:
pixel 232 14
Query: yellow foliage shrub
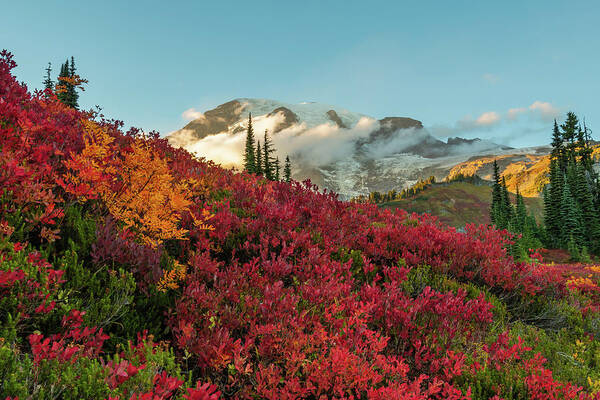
pixel 136 187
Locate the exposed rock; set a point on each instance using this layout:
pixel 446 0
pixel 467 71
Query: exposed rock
pixel 458 142
pixel 290 118
pixel 214 121
pixel 336 118
pixel 389 125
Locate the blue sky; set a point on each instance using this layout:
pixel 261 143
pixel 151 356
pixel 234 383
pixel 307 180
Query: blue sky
pixel 458 66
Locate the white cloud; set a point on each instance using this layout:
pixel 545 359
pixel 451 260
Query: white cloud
pixel 318 145
pixel 488 118
pixel 322 144
pixel 191 114
pixel 538 111
pixel 547 111
pixel 224 148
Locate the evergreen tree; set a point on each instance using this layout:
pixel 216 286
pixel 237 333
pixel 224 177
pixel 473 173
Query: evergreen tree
pixel 258 159
pixel 496 208
pixel 277 178
pixel 250 152
pixel 507 210
pixel 569 134
pixel 557 141
pixel 287 170
pixel 571 198
pixel 572 228
pixel 590 217
pixel 267 160
pixel 67 84
pixel 520 213
pixel 552 203
pixel 585 150
pixel 48 83
pixel 61 85
pixel 73 97
pixel 558 150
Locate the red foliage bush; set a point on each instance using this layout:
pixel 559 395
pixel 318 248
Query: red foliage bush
pixel 268 307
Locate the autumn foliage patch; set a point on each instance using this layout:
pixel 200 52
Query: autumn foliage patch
pixel 132 270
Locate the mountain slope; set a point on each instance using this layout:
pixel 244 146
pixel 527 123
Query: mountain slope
pixel 343 151
pixel 457 203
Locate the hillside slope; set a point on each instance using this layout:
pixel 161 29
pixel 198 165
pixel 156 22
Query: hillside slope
pixel 131 270
pixel 457 203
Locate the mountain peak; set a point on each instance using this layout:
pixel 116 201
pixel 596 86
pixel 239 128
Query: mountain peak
pixel 344 151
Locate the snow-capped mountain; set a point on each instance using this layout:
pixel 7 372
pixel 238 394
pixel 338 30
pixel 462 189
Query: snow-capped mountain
pixel 344 151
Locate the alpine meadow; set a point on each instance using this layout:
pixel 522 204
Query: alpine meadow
pixel 278 249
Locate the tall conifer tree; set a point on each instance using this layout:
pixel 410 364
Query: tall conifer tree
pixel 48 83
pixel 267 160
pixel 61 85
pixel 258 159
pixel 496 208
pixel 552 203
pixel 571 218
pixel 250 152
pixel 73 98
pixel 287 170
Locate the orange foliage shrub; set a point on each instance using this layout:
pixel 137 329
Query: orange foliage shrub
pixel 171 279
pixel 136 187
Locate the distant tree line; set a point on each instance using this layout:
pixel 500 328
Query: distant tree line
pixel 418 187
pixel 379 197
pixel 67 83
pixel 259 160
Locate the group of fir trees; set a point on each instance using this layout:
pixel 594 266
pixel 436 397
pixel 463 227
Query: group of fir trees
pixel 572 197
pixel 66 84
pixel 259 160
pixel 420 186
pixel 514 218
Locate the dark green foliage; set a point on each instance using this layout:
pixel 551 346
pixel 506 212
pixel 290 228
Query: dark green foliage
pixel 71 89
pixel 515 219
pixel 267 159
pixel 48 83
pixel 287 170
pixel 105 294
pixel 501 210
pixel 67 92
pixel 63 89
pixel 552 202
pixel 259 159
pixel 250 151
pixel 571 199
pixel 86 378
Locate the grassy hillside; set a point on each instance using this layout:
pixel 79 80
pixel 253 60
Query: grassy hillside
pixel 457 203
pixel 131 270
